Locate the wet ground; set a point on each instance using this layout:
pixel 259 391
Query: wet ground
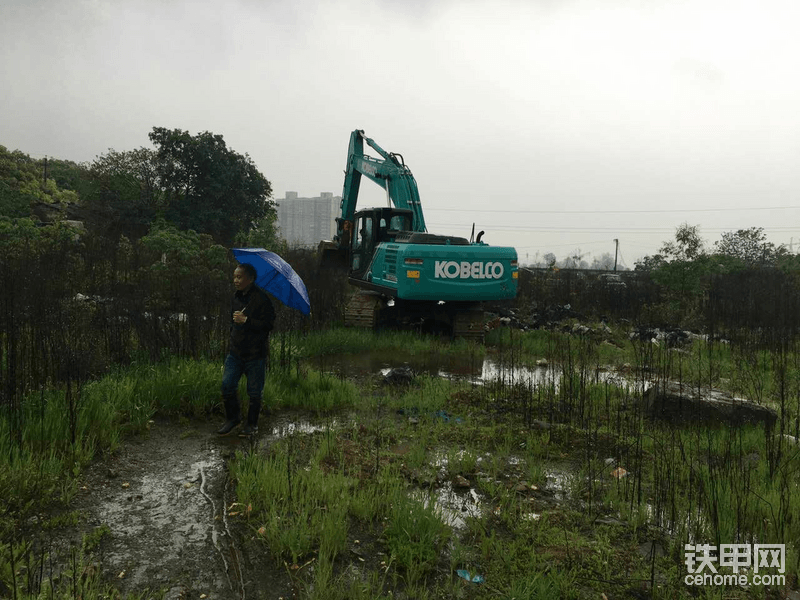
pixel 174 528
pixel 162 498
pixel 165 497
pixel 477 370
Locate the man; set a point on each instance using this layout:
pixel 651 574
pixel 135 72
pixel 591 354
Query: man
pixel 252 318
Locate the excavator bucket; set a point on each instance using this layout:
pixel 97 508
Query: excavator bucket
pixel 330 255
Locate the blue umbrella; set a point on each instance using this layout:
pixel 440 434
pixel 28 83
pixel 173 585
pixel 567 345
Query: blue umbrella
pixel 274 275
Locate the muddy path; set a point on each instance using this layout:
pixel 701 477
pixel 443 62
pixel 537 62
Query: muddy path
pixel 173 527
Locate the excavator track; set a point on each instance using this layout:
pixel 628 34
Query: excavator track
pixel 363 309
pixel 469 324
pixel 369 310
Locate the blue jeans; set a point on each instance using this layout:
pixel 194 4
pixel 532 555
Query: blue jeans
pixel 254 370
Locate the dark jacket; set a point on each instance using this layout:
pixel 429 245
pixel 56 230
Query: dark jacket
pixel 249 340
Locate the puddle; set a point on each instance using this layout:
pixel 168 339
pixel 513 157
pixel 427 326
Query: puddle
pixel 163 500
pixel 453 507
pixel 290 427
pixel 170 501
pixel 351 365
pixel 478 371
pixel 489 370
pixel 559 483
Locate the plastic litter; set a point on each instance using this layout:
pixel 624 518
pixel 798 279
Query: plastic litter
pixel 414 413
pixel 445 416
pixel 464 574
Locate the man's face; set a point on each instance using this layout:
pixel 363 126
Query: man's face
pixel 241 279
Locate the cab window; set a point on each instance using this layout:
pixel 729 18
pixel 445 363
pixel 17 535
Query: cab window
pixel 398 222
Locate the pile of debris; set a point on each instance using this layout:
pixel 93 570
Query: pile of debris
pixel 680 402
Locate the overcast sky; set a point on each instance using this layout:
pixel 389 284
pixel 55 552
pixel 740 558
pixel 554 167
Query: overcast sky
pixel 553 125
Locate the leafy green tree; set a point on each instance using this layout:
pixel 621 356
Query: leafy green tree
pixel 688 244
pixel 177 261
pixel 12 202
pixel 749 247
pixel 264 235
pixel 123 193
pixel 680 266
pixel 208 187
pixel 22 185
pixel 67 174
pixel 650 263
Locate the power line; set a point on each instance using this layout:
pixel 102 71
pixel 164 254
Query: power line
pixel 625 211
pixel 572 244
pixel 639 244
pixel 588 229
pixel 622 260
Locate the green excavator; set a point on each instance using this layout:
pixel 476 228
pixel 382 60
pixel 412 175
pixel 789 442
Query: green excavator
pixel 405 275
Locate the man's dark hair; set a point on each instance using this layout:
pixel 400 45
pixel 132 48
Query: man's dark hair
pixel 249 269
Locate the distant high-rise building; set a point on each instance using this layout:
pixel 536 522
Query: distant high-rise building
pixel 304 222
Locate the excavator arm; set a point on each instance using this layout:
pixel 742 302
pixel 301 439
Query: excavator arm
pixel 389 172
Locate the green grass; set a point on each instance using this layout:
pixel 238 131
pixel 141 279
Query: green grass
pixel 308 389
pixel 40 463
pixel 301 504
pixel 297 510
pixel 748 370
pixel 338 341
pixel 309 495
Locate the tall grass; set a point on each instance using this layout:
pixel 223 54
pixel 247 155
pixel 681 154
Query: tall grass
pixel 60 431
pixel 700 482
pixel 338 341
pixel 301 505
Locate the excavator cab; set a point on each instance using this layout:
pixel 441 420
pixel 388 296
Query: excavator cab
pixel 373 226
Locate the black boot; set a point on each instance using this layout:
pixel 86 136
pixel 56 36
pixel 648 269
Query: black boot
pixel 252 418
pixel 232 415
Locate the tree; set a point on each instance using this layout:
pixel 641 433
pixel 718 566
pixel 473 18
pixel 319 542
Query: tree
pixel 264 235
pixel 676 255
pixel 688 244
pixel 67 174
pixel 208 187
pixel 681 267
pixel 22 185
pixel 575 261
pixel 749 246
pixel 603 262
pixel 650 263
pixel 123 195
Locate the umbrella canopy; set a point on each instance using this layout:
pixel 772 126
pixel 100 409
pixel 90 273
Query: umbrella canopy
pixel 274 275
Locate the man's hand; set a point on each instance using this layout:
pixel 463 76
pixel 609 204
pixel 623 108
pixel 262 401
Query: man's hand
pixel 239 317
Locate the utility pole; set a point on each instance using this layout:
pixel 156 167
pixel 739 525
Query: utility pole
pixel 616 253
pixel 45 170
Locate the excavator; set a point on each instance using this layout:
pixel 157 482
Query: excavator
pixel 406 276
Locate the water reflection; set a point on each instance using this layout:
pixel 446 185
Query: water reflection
pixel 478 370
